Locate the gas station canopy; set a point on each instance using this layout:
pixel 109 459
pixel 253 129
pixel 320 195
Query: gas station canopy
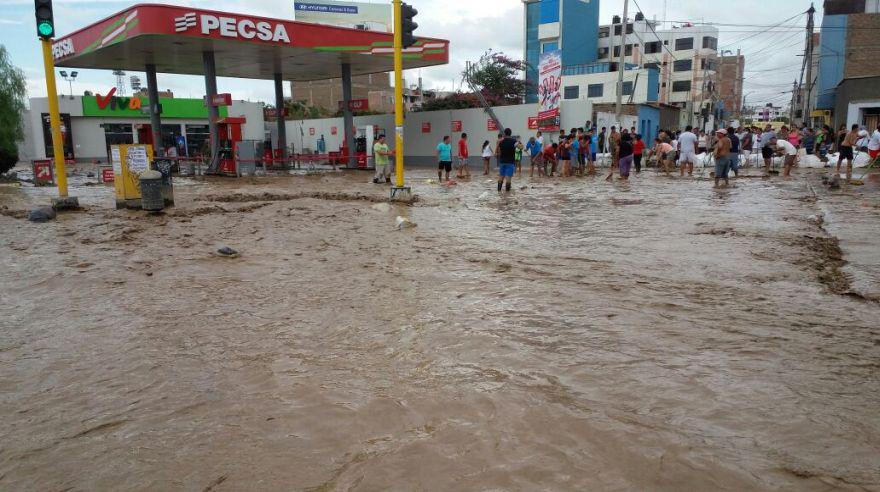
pixel 174 38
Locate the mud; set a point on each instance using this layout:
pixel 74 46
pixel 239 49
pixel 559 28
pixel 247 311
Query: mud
pixel 578 335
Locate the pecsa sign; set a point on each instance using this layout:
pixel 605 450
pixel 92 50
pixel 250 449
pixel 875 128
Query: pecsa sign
pixel 231 27
pixel 62 48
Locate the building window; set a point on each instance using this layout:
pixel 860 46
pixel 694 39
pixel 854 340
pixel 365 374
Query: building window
pixel 682 65
pixel 627 88
pixel 594 90
pixel 549 11
pixel 604 32
pixel 707 64
pixel 710 42
pixel 628 51
pixel 572 92
pixel 629 29
pixel 603 53
pixel 652 65
pixel 549 46
pixel 682 44
pixel 653 47
pixel 681 86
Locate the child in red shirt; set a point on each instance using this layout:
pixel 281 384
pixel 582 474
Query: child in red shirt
pixel 638 148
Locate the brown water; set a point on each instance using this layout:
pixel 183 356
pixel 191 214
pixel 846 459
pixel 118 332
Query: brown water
pixel 575 336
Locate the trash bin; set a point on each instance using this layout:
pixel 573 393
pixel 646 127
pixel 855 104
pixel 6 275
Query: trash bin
pixel 165 167
pixel 151 191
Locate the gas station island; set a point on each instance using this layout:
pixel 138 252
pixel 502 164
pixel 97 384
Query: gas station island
pixel 180 40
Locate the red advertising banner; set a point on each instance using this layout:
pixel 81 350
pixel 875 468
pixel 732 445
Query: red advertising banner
pixel 426 127
pixel 491 125
pixel 43 172
pixel 456 125
pixel 107 175
pixel 357 105
pixel 543 124
pixel 333 130
pixel 220 100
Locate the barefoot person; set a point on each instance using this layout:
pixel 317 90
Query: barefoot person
pixel 665 155
pixel 533 149
pixel 846 151
pixel 463 170
pixel 722 157
pixel 506 159
pixel 768 146
pixel 789 151
pixel 444 157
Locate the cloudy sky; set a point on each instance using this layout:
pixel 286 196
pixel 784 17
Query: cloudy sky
pixel 772 60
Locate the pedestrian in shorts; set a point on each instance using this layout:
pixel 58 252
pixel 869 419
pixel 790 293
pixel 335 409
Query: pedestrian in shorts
pixel 463 170
pixel 444 156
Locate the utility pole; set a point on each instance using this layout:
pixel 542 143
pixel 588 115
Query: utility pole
pixel 622 63
pixel 809 57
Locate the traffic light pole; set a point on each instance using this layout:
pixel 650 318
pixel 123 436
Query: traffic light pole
pixel 399 191
pixel 54 119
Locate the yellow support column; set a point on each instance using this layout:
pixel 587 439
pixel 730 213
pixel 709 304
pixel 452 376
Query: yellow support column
pixel 55 123
pixel 399 191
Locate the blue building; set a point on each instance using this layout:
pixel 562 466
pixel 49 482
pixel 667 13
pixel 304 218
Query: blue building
pixel 571 26
pixel 849 68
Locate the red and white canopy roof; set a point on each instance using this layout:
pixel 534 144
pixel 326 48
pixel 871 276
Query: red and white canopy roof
pixel 173 38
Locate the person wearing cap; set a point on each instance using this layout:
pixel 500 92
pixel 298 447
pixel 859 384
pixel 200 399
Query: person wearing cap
pixel 722 157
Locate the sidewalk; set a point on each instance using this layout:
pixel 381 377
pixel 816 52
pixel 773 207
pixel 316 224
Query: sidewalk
pixel 852 216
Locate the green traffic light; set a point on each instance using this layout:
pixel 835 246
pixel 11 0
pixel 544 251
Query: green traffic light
pixel 45 29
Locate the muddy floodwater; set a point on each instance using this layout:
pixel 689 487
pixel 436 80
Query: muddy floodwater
pixel 577 335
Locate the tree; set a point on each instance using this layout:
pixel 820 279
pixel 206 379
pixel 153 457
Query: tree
pixel 13 91
pixel 500 78
pixel 458 100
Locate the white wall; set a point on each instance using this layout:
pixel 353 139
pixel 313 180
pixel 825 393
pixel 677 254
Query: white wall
pixel 254 128
pixel 421 147
pixel 609 83
pixel 854 112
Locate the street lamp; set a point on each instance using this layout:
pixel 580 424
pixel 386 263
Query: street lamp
pixel 69 79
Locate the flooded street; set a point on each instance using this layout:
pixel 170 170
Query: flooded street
pixel 577 335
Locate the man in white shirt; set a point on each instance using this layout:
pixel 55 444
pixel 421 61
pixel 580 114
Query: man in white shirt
pixel 784 147
pixel 687 148
pixel 874 143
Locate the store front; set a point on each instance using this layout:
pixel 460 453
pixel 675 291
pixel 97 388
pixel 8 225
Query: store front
pixel 91 124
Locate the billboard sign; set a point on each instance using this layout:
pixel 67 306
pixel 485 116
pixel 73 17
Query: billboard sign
pixel 549 84
pixel 358 15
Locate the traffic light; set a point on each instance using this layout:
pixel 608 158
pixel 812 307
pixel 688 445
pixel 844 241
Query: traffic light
pixel 45 20
pixel 408 25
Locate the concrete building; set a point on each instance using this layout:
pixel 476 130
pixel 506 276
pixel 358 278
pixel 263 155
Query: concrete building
pixel 849 68
pixel 768 112
pixel 567 25
pixel 327 94
pixel 687 57
pixel 731 71
pixel 640 85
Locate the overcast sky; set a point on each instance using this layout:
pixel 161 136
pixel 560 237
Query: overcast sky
pixel 772 60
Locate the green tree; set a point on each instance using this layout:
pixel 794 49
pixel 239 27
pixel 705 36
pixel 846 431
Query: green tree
pixel 13 91
pixel 499 78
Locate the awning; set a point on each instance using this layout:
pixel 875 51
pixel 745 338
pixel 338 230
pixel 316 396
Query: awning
pixel 173 38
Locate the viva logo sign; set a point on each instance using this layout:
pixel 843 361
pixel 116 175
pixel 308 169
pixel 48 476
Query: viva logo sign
pixel 115 103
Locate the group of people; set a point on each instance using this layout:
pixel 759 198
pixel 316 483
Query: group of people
pixel 574 152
